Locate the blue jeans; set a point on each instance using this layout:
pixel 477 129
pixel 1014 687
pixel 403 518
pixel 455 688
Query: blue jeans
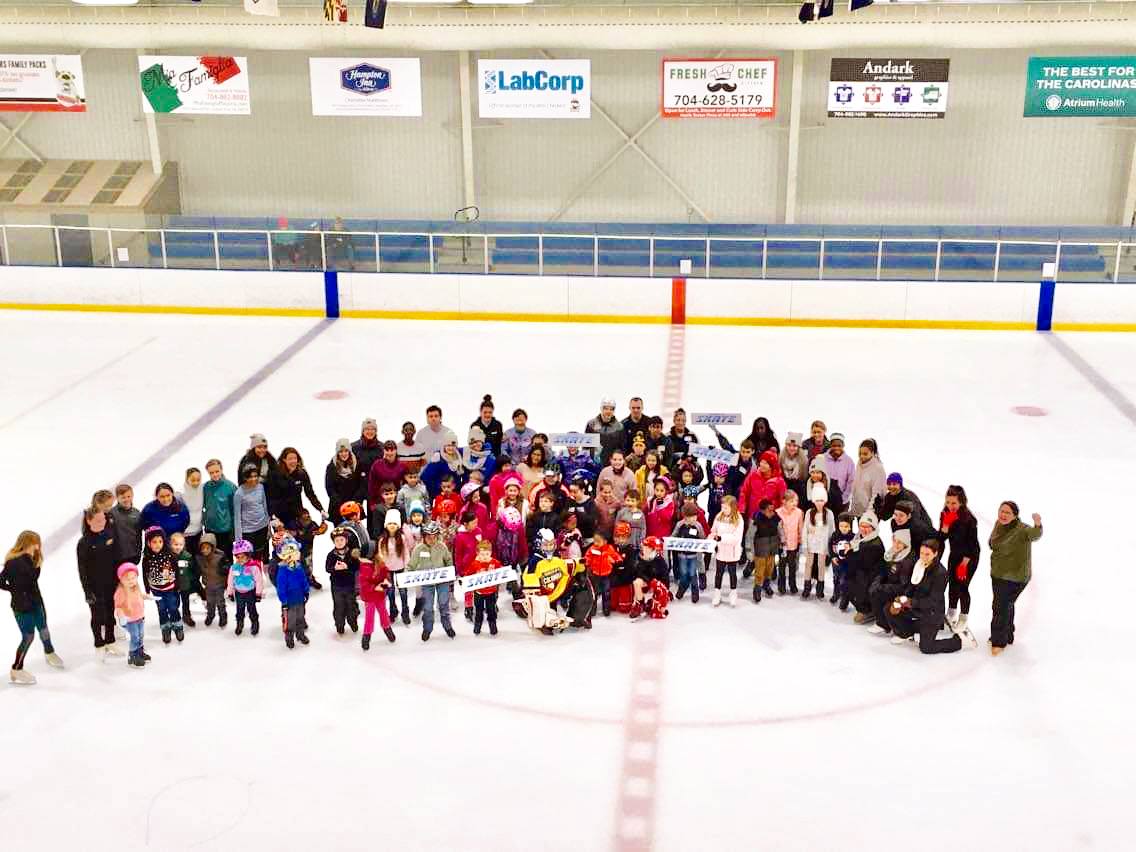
pixel 429 593
pixel 134 631
pixel 686 569
pixel 169 608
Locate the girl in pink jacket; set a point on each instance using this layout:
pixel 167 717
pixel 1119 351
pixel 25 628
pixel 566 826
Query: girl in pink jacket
pixel 792 524
pixel 727 531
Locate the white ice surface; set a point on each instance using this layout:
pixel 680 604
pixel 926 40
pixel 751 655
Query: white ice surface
pixel 784 727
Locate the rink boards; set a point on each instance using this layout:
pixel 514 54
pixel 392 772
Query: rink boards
pixel 884 304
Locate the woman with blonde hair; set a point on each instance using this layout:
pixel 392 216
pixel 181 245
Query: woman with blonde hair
pixel 20 578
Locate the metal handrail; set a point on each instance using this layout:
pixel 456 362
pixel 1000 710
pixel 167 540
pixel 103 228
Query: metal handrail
pixel 821 246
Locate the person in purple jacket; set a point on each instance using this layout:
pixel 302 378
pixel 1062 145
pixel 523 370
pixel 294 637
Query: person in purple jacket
pixel 841 470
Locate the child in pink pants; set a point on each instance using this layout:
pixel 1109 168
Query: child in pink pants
pixel 374 580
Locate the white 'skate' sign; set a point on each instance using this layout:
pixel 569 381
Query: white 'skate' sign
pixel 485 579
pixel 689 545
pixel 713 454
pixel 425 577
pixel 705 418
pixel 574 439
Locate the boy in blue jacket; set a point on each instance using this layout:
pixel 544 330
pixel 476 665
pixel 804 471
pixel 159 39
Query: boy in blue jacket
pixel 292 589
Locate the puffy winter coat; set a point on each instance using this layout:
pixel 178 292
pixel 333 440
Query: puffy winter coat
pixel 601 560
pixel 465 549
pixel 757 488
pixel 250 578
pixel 172 518
pixel 730 544
pixel 292 584
pixel 818 529
pixel 610 432
pixel 371 575
pixel 661 517
pixel 792 525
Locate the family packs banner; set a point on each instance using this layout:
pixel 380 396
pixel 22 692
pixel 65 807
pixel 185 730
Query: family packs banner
pixel 534 88
pixel 195 85
pixel 366 86
pixel 719 88
pixel 1089 86
pixel 41 83
pixel 888 88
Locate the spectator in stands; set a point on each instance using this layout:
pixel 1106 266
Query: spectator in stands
pixel 340 248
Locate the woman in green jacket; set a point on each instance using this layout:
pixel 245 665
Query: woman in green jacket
pixel 1010 544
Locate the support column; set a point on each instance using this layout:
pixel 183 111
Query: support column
pixel 152 142
pixel 794 137
pixel 469 198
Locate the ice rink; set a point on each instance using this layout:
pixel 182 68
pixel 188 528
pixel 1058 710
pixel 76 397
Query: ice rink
pixel 783 727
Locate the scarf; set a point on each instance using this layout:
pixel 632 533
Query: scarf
pixel 858 539
pixel 918 571
pixel 346 470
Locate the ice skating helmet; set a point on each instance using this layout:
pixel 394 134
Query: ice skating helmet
pixel 153 532
pixel 622 529
pixel 340 532
pixel 448 506
pixel 351 510
pixel 242 545
pixel 468 489
pixel 653 542
pixel 552 470
pixel 126 568
pixel 289 549
pixel 431 528
pixel 720 469
pixel 510 516
pixel 690 491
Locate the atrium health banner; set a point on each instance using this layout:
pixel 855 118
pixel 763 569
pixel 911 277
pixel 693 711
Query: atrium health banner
pixel 195 85
pixel 366 86
pixel 41 83
pixel 888 88
pixel 1089 86
pixel 534 88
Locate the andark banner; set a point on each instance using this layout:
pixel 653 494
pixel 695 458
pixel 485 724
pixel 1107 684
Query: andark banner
pixel 888 88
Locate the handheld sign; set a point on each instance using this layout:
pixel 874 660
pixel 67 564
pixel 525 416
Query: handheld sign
pixel 425 577
pixel 583 440
pixel 689 545
pixel 485 579
pixel 715 419
pixel 713 454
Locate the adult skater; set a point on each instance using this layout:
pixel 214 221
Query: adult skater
pixel 865 564
pixel 959 528
pixel 286 485
pixel 608 427
pixel 919 607
pixel 434 435
pixel 97 555
pixel 1010 544
pixel 20 578
pixel 165 511
pixel 259 457
pixel 894 492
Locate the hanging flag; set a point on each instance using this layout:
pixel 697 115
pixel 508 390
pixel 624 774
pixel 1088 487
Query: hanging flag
pixel 335 11
pixel 855 5
pixel 263 7
pixel 375 14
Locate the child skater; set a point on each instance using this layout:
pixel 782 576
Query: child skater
pixel 374 583
pixel 766 544
pixel 818 527
pixel 792 523
pixel 484 600
pixel 687 564
pixel 601 558
pixel 160 578
pixel 343 567
pixel 727 531
pixel 246 582
pixel 393 549
pixel 20 578
pixel 839 543
pixel 129 608
pixel 215 577
pixel 632 515
pixel 188 578
pixel 292 589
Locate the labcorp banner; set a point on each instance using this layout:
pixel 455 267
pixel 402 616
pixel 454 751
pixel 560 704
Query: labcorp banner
pixel 366 86
pixel 534 88
pixel 888 88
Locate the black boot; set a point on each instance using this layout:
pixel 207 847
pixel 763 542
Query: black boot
pixel 820 590
pixel 223 620
pixel 449 628
pixel 425 635
pixel 393 612
pixel 793 583
pixel 366 641
pixel 303 637
pixel 142 653
pixel 477 625
pixel 808 590
pixel 290 639
pixel 406 616
pixel 255 626
pixel 748 570
pixel 208 619
pixel 493 627
pixel 756 593
pixel 179 632
pixel 694 592
pixel 340 629
pixel 843 605
pixel 417 607
pixel 767 587
pixel 240 628
pixel 701 582
pixel 354 622
pixel 166 635
pixel 781 582
pixel 835 597
pixel 389 632
pixel 136 660
pixel 469 613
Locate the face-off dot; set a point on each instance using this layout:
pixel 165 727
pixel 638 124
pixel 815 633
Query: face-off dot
pixel 1029 411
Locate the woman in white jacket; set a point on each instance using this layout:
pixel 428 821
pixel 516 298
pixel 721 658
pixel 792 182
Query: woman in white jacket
pixel 727 531
pixel 869 480
pixel 818 529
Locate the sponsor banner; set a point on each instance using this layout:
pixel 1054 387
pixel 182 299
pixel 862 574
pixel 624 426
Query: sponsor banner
pixel 425 577
pixel 713 454
pixel 584 440
pixel 195 85
pixel 41 83
pixel 704 418
pixel 534 88
pixel 719 88
pixel 366 86
pixel 888 88
pixel 689 545
pixel 1089 86
pixel 485 579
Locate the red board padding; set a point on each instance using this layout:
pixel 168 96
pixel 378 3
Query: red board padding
pixel 678 301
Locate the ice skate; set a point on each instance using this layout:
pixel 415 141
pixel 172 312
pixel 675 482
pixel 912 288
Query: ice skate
pixel 733 597
pixel 448 628
pixel 167 634
pixel 636 611
pixel 843 605
pixel 767 588
pixel 469 613
pixel 239 629
pixel 340 629
pixel 702 582
pixel 417 607
pixel 756 593
pixel 223 620
pixel 425 635
pixel 179 633
pixel 303 637
pixel 808 590
pixel 366 641
pixel 389 633
pixel 208 620
pixel 188 621
pixel 717 597
pixel 22 678
pixel 747 572
pixel 136 661
pixel 876 630
pixel 289 640
pixel 255 627
pixel 405 617
pixel 994 652
pixel 898 640
pixel 961 623
pixel 54 660
pixel 142 653
pixel 863 618
pixel 354 624
pixel 493 628
pixel 820 590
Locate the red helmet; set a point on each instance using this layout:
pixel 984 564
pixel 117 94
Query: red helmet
pixel 448 506
pixel 350 509
pixel 622 529
pixel 653 542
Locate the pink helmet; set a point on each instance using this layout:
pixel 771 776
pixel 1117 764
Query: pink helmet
pixel 510 517
pixel 127 568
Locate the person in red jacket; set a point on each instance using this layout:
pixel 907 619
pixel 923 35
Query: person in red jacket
pixel 763 483
pixel 374 580
pixel 485 600
pixel 601 558
pixel 465 552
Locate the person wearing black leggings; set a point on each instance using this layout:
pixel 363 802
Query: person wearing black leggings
pixel 20 578
pixel 959 528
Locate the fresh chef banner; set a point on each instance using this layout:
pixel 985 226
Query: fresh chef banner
pixel 719 88
pixel 366 86
pixel 195 85
pixel 534 88
pixel 888 88
pixel 41 83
